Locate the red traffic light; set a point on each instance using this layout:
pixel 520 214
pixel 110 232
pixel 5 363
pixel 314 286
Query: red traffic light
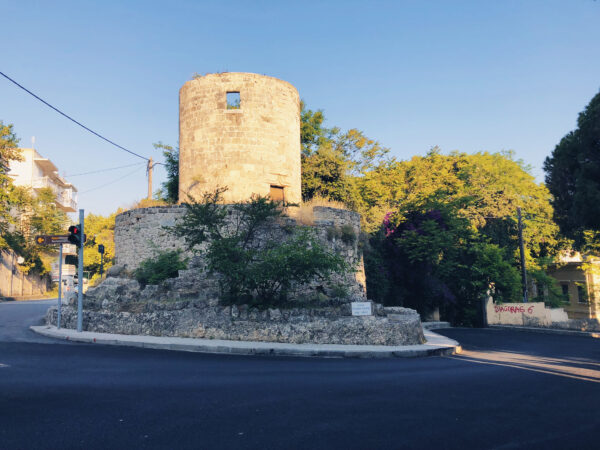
pixel 75 235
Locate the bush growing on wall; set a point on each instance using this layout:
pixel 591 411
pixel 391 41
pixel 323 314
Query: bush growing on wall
pixel 252 269
pixel 165 265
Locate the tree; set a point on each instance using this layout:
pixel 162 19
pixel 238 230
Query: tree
pixel 430 257
pixel 331 160
pixel 170 188
pixel 46 217
pixel 253 263
pixel 99 230
pixel 486 187
pixel 573 175
pixel 8 152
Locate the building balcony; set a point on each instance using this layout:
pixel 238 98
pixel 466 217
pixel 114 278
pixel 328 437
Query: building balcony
pixel 66 203
pixel 64 197
pixel 42 183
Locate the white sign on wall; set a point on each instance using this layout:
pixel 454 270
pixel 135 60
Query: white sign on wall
pixel 361 308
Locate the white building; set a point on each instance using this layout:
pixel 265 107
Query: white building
pixel 38 172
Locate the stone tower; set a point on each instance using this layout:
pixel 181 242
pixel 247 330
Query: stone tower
pixel 242 131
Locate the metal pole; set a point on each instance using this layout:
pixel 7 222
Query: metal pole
pixel 522 249
pixel 101 264
pixel 80 276
pixel 60 264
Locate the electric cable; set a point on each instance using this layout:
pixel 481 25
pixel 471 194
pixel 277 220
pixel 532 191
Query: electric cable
pixel 71 119
pixel 103 170
pixel 111 182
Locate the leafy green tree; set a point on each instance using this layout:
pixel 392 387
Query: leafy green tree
pixel 430 256
pixel 573 175
pixel 486 187
pixel 313 133
pixel 99 230
pixel 250 267
pixel 331 160
pixel 170 188
pixel 46 217
pixel 8 152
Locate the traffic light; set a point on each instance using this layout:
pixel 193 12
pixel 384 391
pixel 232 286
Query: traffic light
pixel 75 235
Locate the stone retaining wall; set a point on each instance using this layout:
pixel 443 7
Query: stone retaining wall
pixel 118 306
pixel 140 234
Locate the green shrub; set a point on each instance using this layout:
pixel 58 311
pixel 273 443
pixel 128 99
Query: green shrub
pixel 159 268
pixel 333 233
pixel 252 270
pixel 348 234
pixel 339 291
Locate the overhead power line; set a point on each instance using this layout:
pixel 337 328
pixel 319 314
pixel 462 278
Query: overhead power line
pixel 103 170
pixel 71 119
pixel 110 182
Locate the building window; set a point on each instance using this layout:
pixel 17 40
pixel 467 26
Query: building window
pixel 233 100
pixel 276 193
pixel 565 291
pixel 581 294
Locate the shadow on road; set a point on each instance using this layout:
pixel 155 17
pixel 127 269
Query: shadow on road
pixel 571 368
pixel 566 356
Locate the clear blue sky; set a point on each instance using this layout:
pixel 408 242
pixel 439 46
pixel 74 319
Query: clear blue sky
pixel 463 75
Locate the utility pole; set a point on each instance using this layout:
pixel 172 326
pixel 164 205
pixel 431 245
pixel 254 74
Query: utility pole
pixel 80 275
pixel 60 264
pixel 149 170
pixel 522 248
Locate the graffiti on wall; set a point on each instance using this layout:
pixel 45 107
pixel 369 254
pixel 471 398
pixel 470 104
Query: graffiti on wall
pixel 514 309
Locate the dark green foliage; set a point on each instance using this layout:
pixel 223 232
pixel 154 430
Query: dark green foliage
pixel 8 153
pixel 170 188
pixel 252 268
pixel 554 297
pixel 428 256
pixel 163 266
pixel 573 175
pixel 348 234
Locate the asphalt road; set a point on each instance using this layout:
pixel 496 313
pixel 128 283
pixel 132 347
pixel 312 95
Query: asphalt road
pixel 507 390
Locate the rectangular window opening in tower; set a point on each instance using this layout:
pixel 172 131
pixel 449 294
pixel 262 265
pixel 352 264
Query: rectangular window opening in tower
pixel 276 194
pixel 233 100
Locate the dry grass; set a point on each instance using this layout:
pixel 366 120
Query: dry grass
pixel 145 203
pixel 304 213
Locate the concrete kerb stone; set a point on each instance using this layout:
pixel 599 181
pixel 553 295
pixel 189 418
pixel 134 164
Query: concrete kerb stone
pixel 436 345
pixel 435 325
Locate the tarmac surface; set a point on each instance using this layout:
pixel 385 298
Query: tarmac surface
pixel 508 389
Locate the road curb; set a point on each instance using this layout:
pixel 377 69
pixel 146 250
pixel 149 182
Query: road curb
pixel 592 334
pixel 436 345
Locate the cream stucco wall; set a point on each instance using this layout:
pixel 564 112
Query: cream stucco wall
pixel 517 313
pixel 35 172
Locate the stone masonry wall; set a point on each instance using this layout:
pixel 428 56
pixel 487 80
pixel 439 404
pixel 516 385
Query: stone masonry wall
pixel 139 234
pixel 118 305
pixel 246 149
pixel 189 305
